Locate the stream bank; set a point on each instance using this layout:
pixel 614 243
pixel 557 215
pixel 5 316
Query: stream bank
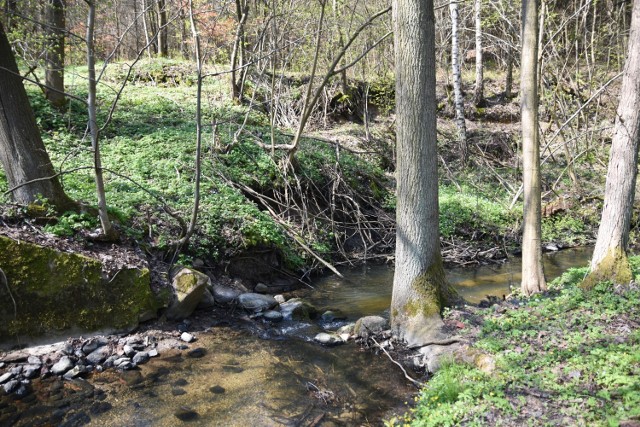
pixel 241 368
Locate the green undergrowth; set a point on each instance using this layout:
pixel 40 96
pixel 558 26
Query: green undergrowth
pixel 565 358
pixel 148 153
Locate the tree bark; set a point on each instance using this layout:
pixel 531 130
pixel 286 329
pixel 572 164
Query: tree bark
pixel 609 261
pixel 478 96
pixel 508 84
pixel 163 47
pixel 22 152
pixel 457 84
pixel 54 57
pixel 533 280
pixel 238 55
pixel 419 286
pixel 107 228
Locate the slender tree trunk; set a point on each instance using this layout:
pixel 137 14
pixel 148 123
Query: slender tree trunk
pixel 107 228
pixel 478 96
pixel 238 53
pixel 533 280
pixel 419 286
pixel 163 47
pixel 22 152
pixel 609 260
pixel 147 32
pixel 54 57
pixel 458 97
pixel 508 85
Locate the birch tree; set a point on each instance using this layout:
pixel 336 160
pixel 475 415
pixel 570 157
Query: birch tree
pixel 478 95
pixel 458 97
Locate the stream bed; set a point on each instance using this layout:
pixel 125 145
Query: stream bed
pixel 267 375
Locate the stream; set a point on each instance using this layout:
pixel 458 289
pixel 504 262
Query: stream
pixel 279 376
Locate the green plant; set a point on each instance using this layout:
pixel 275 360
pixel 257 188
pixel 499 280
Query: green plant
pixel 70 223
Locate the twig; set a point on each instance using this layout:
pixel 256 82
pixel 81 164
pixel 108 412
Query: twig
pixel 415 382
pixel 3 279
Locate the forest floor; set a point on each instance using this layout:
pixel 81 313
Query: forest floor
pixel 563 358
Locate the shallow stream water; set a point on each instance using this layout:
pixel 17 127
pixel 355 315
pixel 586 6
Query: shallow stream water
pixel 276 376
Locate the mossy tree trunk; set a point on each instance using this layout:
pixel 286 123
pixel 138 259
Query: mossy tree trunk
pixel 610 260
pixel 419 286
pixel 22 152
pixel 533 279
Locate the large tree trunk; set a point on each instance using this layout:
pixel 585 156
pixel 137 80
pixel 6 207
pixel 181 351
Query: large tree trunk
pixel 22 152
pixel 478 96
pixel 457 83
pixel 54 58
pixel 419 286
pixel 533 280
pixel 609 260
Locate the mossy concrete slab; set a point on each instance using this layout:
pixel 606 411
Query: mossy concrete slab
pixel 49 292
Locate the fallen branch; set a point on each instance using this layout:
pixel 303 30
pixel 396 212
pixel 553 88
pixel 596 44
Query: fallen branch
pixel 415 382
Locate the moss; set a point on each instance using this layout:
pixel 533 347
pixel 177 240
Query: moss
pixel 614 267
pixel 55 291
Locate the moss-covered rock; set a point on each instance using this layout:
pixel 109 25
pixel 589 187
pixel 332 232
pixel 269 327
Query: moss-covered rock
pixel 49 292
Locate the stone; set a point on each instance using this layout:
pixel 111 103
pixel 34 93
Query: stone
pixel 34 360
pixel 74 372
pixel 217 389
pixel 51 287
pixel 261 288
pixel 63 365
pixel 153 353
pixel 346 329
pixel 140 358
pixel 279 298
pixel 188 288
pixel 121 361
pixel 6 377
pixel 99 355
pixel 128 350
pixel 11 386
pixel 30 371
pixel 272 316
pixel 197 353
pixel 332 316
pixel 92 345
pixel 224 294
pixel 68 349
pixel 431 356
pixel 187 337
pixel 207 301
pixel 256 302
pixel 370 325
pixel 296 309
pixel 178 391
pixel 186 414
pixel 328 339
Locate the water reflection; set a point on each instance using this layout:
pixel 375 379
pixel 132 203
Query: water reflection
pixel 367 290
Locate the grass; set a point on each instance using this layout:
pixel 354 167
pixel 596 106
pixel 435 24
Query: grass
pixel 566 358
